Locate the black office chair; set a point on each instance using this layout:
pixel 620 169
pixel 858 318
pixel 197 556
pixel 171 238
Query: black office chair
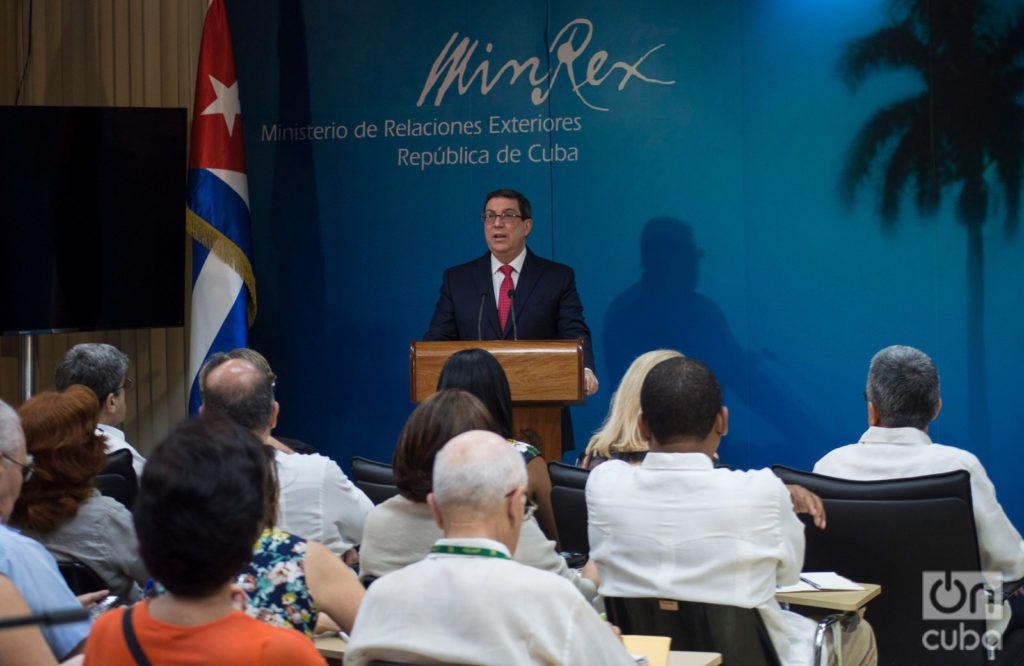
pixel 376 479
pixel 80 578
pixel 891 532
pixel 737 633
pixel 296 445
pixel 118 479
pixel 569 504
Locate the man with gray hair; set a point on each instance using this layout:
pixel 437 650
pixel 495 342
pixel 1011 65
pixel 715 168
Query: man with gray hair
pixel 903 399
pixel 25 562
pixel 468 602
pixel 102 368
pixel 317 501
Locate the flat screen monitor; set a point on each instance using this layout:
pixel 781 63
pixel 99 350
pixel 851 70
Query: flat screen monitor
pixel 92 224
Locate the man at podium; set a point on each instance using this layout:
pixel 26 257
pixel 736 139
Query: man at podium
pixel 512 294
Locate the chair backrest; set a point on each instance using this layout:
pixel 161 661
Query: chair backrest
pixel 737 633
pixel 376 479
pixel 891 532
pixel 118 479
pixel 296 445
pixel 569 504
pixel 80 578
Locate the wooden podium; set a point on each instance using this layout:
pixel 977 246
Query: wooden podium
pixel 544 376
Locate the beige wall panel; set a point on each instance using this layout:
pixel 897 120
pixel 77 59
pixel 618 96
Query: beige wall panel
pixel 156 380
pixel 167 23
pixel 105 51
pixel 75 68
pixel 121 38
pixel 136 54
pixel 45 66
pixel 151 55
pixel 11 50
pixel 144 392
pixel 9 370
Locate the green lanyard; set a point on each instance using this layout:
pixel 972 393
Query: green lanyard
pixel 463 550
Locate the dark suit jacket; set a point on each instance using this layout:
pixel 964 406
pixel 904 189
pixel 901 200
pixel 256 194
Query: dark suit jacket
pixel 547 306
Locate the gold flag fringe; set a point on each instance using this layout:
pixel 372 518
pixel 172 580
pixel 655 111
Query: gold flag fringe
pixel 226 250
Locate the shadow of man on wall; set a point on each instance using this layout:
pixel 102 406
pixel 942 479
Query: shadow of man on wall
pixel 663 309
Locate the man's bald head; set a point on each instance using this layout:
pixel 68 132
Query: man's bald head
pixel 236 387
pixel 474 474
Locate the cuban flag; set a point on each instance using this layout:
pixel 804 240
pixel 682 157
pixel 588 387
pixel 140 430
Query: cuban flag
pixel 223 285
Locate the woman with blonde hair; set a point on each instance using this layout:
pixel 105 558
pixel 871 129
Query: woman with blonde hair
pixel 619 437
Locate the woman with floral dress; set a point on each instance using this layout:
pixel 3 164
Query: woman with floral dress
pixel 292 582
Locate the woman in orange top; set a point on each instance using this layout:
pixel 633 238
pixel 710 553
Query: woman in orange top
pixel 197 515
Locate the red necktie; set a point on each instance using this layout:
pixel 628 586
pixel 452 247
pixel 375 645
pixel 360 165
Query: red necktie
pixel 504 302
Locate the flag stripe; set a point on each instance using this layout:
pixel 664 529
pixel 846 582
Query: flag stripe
pixel 220 206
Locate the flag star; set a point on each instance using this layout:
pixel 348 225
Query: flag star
pixel 226 103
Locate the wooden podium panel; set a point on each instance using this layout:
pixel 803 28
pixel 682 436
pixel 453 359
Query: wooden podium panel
pixel 543 375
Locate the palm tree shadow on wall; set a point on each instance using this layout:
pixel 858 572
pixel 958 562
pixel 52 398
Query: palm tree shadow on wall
pixel 964 132
pixel 664 310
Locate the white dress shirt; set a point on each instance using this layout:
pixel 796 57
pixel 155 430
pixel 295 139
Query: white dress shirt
pixel 116 442
pixel 399 532
pixel 482 610
pixel 318 502
pixel 498 277
pixel 894 453
pixel 674 527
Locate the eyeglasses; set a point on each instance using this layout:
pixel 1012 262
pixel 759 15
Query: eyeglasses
pixel 508 217
pixel 127 384
pixel 26 467
pixel 528 507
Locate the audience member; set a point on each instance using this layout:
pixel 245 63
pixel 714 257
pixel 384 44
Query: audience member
pixel 903 399
pixel 60 506
pixel 468 601
pixel 619 436
pixel 104 369
pixel 26 567
pixel 479 373
pixel 317 501
pixel 286 444
pixel 24 646
pixel 290 580
pixel 199 511
pixel 674 527
pixel 401 531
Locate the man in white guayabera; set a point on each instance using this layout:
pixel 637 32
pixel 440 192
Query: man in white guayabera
pixel 903 399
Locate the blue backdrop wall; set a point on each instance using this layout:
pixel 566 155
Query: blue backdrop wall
pixel 684 157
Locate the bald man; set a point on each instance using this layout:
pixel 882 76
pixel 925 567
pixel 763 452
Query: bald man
pixel 469 601
pixel 317 501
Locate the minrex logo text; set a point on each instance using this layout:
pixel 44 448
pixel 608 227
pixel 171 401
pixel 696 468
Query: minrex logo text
pixel 452 66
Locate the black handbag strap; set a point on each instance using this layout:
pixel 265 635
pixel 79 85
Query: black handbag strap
pixel 132 640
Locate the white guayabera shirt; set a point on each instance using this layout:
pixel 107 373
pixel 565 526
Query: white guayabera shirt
pixel 475 605
pixel 895 453
pixel 674 527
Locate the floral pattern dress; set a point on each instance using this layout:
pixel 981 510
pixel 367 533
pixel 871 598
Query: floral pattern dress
pixel 275 582
pixel 528 451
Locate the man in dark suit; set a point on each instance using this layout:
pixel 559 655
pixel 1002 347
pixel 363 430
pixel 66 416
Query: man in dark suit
pixel 475 301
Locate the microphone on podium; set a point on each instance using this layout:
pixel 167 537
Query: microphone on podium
pixel 512 311
pixel 480 317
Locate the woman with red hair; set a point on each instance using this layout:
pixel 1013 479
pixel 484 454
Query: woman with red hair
pixel 59 505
